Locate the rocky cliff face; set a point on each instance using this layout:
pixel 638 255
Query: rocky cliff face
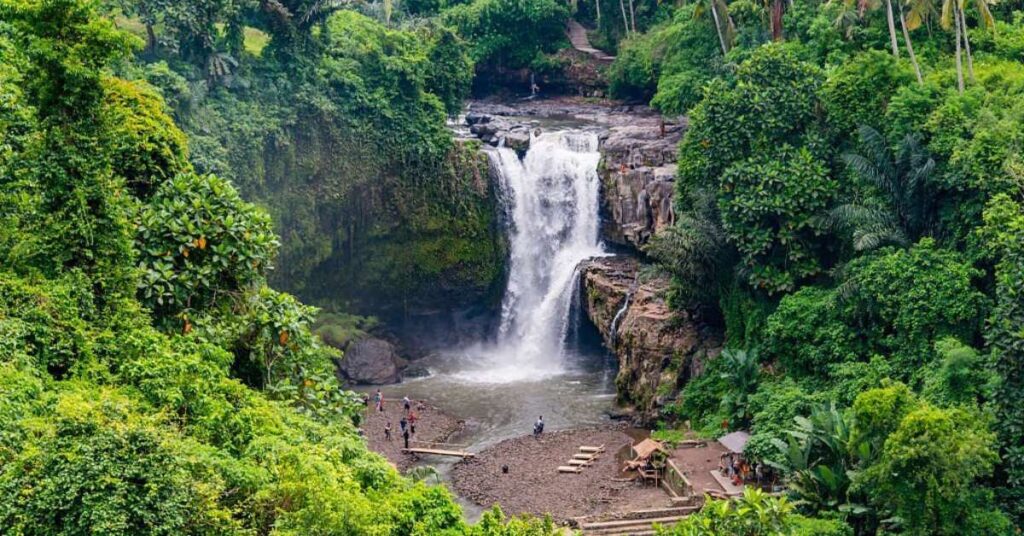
pixel 658 349
pixel 638 180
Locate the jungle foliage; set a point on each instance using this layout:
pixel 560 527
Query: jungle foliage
pixel 150 381
pixel 848 208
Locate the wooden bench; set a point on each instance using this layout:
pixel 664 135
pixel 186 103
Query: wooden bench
pixel 570 469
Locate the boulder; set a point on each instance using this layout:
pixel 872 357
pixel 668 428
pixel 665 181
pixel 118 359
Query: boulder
pixel 371 361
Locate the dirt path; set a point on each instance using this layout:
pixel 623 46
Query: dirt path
pixel 580 41
pixel 697 464
pixel 432 424
pixel 533 484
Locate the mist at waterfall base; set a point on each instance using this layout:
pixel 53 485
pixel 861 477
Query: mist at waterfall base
pixel 545 358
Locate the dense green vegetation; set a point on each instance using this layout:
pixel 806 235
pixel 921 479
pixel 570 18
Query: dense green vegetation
pixel 337 129
pixel 848 206
pixel 150 381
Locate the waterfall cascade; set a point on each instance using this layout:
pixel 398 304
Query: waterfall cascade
pixel 552 196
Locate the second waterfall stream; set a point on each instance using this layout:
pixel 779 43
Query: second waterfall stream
pixel 552 195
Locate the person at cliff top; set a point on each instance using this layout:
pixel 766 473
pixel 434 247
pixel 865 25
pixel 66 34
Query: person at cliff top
pixel 407 403
pixel 538 427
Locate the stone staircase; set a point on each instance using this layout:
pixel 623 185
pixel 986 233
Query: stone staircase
pixel 637 523
pixel 580 41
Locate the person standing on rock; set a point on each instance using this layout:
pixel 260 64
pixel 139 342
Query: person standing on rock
pixel 412 422
pixel 378 400
pixel 407 403
pixel 538 427
pixel 387 431
pixel 405 435
pixel 403 424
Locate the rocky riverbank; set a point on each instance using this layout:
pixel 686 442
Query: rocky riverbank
pixel 534 486
pixel 658 349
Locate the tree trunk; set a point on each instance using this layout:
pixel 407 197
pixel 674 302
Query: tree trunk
pixel 777 20
pixel 892 28
pixel 718 28
pixel 150 40
pixel 959 62
pixel 967 46
pixel 910 48
pixel 597 3
pixel 632 16
pixel 625 18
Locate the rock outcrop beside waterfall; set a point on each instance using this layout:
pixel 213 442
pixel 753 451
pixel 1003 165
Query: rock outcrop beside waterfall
pixel 638 181
pixel 658 349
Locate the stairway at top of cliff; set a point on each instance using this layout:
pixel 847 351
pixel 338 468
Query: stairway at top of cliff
pixel 552 202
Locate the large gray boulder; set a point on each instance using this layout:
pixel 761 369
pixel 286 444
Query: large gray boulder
pixel 371 361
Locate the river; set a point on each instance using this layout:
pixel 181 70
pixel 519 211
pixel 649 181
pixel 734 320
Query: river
pixel 545 360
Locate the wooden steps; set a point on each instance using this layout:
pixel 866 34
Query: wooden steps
pixel 582 459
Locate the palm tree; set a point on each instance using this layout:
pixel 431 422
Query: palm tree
pixel 902 177
pixel 953 14
pixel 719 11
pixel 910 46
pixel 855 9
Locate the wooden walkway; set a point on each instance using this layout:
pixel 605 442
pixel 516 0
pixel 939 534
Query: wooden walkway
pixel 580 41
pixel 438 449
pixel 439 452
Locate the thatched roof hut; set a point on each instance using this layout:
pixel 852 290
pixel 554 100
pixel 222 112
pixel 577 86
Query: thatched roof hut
pixel 646 448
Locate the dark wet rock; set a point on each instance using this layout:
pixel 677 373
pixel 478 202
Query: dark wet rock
pixel 638 181
pixel 371 361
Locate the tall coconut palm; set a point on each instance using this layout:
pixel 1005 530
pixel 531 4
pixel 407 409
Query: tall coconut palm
pixel 910 45
pixel 902 177
pixel 954 15
pixel 855 9
pixel 723 22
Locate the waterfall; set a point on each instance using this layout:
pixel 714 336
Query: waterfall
pixel 613 334
pixel 552 196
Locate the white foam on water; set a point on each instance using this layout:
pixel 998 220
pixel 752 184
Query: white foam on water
pixel 553 197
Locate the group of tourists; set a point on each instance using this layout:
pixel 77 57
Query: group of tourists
pixel 407 424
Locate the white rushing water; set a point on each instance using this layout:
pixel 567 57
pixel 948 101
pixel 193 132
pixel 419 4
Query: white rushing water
pixel 553 197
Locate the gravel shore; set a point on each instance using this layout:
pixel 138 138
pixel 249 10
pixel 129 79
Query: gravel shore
pixel 534 486
pixel 432 424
